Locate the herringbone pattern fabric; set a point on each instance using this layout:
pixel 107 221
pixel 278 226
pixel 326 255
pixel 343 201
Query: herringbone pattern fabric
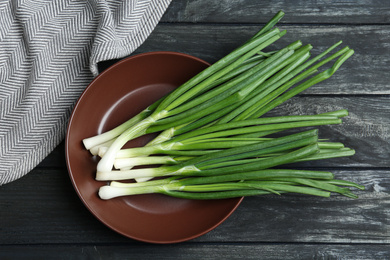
pixel 48 55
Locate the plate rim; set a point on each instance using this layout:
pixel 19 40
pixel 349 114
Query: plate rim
pixel 71 175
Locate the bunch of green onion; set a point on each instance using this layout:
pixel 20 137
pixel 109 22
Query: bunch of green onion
pixel 213 140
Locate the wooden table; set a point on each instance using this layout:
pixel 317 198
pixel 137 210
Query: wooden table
pixel 41 217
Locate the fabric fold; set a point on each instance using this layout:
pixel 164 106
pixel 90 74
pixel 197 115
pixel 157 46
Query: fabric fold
pixel 49 52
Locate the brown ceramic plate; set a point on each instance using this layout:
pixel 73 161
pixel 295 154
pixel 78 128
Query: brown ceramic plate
pixel 115 95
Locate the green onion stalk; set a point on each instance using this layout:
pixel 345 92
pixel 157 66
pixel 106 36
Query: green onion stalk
pixel 275 181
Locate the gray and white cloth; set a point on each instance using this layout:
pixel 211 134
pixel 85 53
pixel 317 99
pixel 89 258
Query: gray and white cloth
pixel 49 52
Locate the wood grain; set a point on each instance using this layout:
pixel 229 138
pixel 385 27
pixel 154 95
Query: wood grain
pixel 57 214
pixel 206 251
pixel 252 11
pixel 41 216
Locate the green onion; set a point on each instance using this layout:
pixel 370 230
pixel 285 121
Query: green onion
pixel 213 140
pixel 275 181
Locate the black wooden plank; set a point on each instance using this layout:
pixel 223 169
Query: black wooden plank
pixel 43 208
pixel 198 251
pixel 56 158
pixel 365 73
pixel 310 219
pixel 251 11
pixel 366 129
pixel 41 216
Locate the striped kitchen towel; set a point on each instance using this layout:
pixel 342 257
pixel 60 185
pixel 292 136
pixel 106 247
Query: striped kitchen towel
pixel 49 52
